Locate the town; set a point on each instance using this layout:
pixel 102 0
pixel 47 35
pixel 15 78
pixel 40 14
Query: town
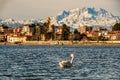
pixel 47 32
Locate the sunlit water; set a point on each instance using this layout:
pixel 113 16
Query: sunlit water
pixel 20 62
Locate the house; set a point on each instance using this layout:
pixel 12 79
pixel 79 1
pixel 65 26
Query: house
pixel 94 35
pixel 1 29
pixel 16 39
pixel 2 38
pixel 58 32
pixel 28 29
pixel 10 30
pixel 25 29
pixel 6 30
pixel 113 35
pixel 98 34
pixel 89 34
pixel 84 29
pixel 17 30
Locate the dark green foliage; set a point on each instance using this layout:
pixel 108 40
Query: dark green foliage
pixel 83 36
pixel 101 38
pixel 49 35
pixel 65 32
pixel 76 35
pixel 40 30
pixel 53 32
pixel 116 27
pixel 37 32
pixel 44 28
pixel 76 31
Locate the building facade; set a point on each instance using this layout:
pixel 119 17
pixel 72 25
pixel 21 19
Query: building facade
pixel 16 39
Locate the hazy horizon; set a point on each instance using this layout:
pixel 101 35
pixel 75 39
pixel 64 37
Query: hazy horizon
pixel 40 9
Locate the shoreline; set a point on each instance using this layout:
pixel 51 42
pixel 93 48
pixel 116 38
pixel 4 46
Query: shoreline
pixel 66 43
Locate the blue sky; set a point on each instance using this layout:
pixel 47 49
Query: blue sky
pixel 38 9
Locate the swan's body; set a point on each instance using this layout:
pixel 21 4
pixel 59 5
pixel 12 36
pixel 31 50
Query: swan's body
pixel 67 64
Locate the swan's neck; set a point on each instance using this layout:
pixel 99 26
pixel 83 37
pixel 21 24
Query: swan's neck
pixel 71 61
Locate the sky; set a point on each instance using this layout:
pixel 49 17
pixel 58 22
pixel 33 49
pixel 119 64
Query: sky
pixel 40 9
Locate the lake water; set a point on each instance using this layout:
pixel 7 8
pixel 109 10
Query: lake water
pixel 20 62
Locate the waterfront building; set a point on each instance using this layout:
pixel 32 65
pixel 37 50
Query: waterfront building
pixel 16 39
pixel 85 29
pixel 113 35
pixel 28 29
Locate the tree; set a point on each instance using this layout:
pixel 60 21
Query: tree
pixel 48 20
pixel 116 27
pixel 37 32
pixel 53 32
pixel 83 36
pixel 65 32
pixel 44 30
pixel 76 35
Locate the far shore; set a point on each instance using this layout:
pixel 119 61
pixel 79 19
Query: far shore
pixel 67 43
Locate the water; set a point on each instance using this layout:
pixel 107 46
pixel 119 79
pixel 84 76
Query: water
pixel 20 62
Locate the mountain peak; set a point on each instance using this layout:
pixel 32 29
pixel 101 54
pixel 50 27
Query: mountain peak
pixel 62 15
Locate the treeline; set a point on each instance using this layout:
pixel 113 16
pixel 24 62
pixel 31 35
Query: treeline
pixel 42 32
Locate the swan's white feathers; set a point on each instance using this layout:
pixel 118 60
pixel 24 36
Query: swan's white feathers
pixel 67 64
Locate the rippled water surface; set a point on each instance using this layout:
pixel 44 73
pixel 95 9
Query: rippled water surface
pixel 20 62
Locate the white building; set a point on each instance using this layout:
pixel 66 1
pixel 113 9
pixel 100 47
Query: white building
pixel 25 29
pixel 14 39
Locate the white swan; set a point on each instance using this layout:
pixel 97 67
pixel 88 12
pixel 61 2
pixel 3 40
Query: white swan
pixel 67 64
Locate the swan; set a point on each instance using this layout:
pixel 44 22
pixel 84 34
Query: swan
pixel 67 64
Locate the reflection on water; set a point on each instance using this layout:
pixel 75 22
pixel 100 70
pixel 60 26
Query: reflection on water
pixel 41 63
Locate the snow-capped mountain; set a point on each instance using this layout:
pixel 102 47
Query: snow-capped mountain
pixel 73 18
pixel 16 23
pixel 85 16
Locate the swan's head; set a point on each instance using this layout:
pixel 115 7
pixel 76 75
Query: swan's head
pixel 72 56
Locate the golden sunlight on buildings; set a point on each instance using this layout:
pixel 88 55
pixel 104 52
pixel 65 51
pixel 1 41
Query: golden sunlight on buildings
pixel 16 39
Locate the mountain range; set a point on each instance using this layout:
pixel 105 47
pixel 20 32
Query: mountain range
pixel 85 17
pixel 74 18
